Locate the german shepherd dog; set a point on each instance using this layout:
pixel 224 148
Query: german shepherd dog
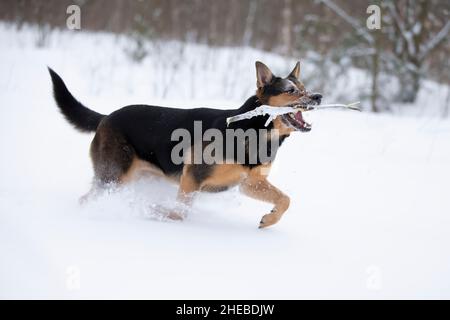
pixel 137 138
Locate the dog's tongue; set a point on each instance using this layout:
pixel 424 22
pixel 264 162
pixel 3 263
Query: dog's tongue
pixel 298 116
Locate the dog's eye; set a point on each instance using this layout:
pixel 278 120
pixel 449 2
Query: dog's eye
pixel 291 91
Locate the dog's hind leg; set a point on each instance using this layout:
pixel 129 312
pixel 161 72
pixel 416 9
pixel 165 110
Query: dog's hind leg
pixel 112 157
pixel 97 189
pixel 258 187
pixel 94 192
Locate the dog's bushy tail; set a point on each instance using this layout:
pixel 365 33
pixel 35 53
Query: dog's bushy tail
pixel 76 113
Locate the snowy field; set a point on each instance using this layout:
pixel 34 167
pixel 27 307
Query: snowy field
pixel 370 204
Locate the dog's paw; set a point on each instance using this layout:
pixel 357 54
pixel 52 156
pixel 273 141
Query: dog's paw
pixel 86 199
pixel 176 216
pixel 165 213
pixel 268 220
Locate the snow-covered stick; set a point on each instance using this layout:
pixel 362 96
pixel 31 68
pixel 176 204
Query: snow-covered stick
pixel 351 106
pixel 262 111
pixel 274 112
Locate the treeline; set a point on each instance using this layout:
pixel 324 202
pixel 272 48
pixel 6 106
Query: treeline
pixel 274 25
pixel 413 41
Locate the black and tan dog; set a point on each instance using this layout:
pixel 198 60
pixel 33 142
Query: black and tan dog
pixel 137 138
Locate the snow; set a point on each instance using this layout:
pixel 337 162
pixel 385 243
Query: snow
pixel 369 215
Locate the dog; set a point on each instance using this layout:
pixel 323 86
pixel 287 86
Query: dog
pixel 137 139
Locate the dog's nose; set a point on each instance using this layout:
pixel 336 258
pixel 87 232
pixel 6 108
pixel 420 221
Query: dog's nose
pixel 316 97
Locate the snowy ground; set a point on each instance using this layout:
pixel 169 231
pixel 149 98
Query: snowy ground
pixel 370 194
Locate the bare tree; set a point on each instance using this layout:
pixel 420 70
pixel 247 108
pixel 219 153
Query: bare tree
pixel 286 30
pixel 250 20
pixel 369 44
pixel 416 34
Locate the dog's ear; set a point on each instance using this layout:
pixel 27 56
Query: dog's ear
pixel 263 74
pixel 296 72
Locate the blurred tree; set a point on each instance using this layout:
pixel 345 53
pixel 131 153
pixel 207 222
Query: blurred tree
pixel 364 45
pixel 410 34
pixel 417 32
pixel 413 42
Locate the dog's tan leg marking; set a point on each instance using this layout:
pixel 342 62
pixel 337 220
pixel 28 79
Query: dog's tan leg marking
pixel 225 175
pixel 139 167
pixel 187 187
pixel 186 191
pixel 258 187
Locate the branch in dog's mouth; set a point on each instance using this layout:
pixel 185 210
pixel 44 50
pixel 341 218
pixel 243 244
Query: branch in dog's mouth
pixel 292 114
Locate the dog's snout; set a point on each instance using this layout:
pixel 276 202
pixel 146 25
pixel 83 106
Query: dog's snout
pixel 317 97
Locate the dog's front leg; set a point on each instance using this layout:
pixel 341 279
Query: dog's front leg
pixel 186 191
pixel 258 187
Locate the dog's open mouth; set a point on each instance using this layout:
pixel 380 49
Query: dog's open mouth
pixel 296 121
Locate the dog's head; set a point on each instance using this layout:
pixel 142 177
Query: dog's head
pixel 276 91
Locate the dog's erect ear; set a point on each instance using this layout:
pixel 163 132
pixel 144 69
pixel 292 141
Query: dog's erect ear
pixel 263 74
pixel 296 72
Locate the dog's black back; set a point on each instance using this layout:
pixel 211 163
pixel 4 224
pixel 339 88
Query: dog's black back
pixel 149 128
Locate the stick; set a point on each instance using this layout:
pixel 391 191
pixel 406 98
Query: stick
pixel 351 106
pixel 278 111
